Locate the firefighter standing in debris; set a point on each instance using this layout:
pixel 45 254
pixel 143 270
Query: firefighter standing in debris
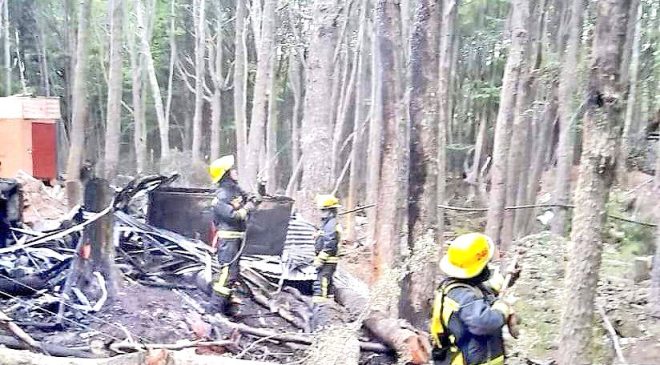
pixel 231 208
pixel 467 316
pixel 326 248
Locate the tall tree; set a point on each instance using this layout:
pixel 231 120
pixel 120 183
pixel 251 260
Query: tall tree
pixel 655 273
pixel 216 63
pixel 448 30
pixel 7 47
pixel 568 76
pixel 423 179
pixel 240 85
pixel 139 122
pixel 265 57
pixel 358 150
pixel 316 130
pixel 144 29
pixel 115 83
pixel 603 120
pixel 505 115
pixel 199 16
pixel 392 182
pixel 631 125
pixel 79 99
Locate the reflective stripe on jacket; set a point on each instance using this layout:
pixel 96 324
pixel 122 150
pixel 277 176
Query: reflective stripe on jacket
pixel 463 321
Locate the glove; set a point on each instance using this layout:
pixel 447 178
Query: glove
pixel 242 213
pixel 504 308
pixel 255 199
pixel 496 281
pixel 317 262
pixel 250 206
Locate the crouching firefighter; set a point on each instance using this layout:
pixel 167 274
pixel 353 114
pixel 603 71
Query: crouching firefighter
pixel 467 317
pixel 326 248
pixel 231 208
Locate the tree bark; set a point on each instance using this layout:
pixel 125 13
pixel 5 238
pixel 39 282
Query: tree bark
pixel 295 82
pixel 199 16
pixel 655 271
pixel 240 86
pixel 139 127
pixel 271 169
pixel 173 59
pixel 7 48
pixel 357 149
pixel 423 179
pixel 216 61
pixel 265 57
pixel 392 184
pixel 375 137
pixel 153 81
pixel 603 120
pixel 316 131
pixel 448 31
pixel 568 76
pixel 115 83
pixel 79 96
pixel 505 115
pixel 631 125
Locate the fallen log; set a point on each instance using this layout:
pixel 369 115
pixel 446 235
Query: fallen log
pixel 9 356
pixel 285 337
pixel 54 350
pixel 396 333
pixel 18 332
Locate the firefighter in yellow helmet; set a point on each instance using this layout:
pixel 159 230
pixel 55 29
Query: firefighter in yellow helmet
pixel 231 207
pixel 326 248
pixel 467 318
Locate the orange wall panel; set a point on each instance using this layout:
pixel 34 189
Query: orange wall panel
pixel 15 147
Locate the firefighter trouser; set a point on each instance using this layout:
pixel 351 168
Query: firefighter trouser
pixel 323 285
pixel 229 259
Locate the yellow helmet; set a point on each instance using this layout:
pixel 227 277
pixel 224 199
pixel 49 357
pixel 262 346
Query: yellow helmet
pixel 467 255
pixel 327 201
pixel 219 167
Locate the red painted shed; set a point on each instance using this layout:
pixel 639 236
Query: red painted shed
pixel 28 136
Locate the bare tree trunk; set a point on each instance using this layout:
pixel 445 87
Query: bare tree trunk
pixel 631 125
pixel 473 174
pixel 392 184
pixel 240 86
pixel 540 148
pixel 447 57
pixel 505 115
pixel 567 87
pixel 77 145
pixel 265 57
pixel 654 303
pixel 199 16
pixel 316 131
pixel 375 137
pixel 173 57
pixel 216 61
pixel 272 127
pixel 115 83
pixel 139 128
pixel 7 48
pixel 357 150
pixel 295 82
pixel 153 81
pixel 423 179
pixel 603 120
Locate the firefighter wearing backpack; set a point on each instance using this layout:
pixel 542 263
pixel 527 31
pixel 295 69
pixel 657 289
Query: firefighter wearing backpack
pixel 231 209
pixel 467 318
pixel 326 248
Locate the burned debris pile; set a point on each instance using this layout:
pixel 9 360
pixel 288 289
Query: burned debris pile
pixel 156 295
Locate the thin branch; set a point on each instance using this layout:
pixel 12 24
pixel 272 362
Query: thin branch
pixel 613 335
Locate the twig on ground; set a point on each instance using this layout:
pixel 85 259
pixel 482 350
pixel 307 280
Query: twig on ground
pixel 613 335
